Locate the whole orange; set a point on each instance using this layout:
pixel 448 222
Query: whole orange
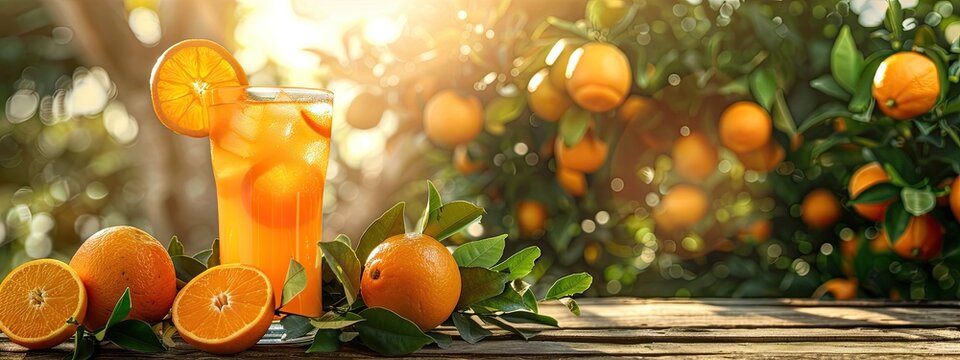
pixel 758 231
pixel 921 240
pixel 745 127
pixel 463 163
pixel 598 76
pixel 558 64
pixel 636 108
pixel 955 198
pixel 548 102
pixel 572 181
pixel 366 110
pixel 906 85
pixel 820 209
pixel 414 276
pixel 682 206
pixel 586 156
pixel 119 257
pixel 765 159
pixel 450 119
pixel 531 218
pixel 865 177
pixel 694 156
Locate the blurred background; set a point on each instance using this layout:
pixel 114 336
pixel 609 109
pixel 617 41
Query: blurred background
pixel 478 96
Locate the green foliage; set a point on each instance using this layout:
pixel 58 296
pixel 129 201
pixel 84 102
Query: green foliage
pixel 130 334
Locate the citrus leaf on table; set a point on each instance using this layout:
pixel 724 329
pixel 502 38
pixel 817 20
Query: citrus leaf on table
pixel 480 253
pixel 390 334
pixel 877 193
pixel 827 85
pixel 175 247
pixel 214 258
pixel 433 202
pixel 120 311
pixel 324 341
pixel 442 340
pixel 895 221
pixel 344 265
pixel 187 267
pixel 845 60
pixel 135 335
pixel 478 284
pixel 918 202
pixel 348 336
pixel 295 326
pixel 203 256
pixel 573 125
pixel 387 225
pixel 571 305
pixel 451 218
pixel 519 264
pixel 569 285
pixel 518 317
pixel 294 283
pixel 509 300
pixel 470 331
pixel 332 320
pixel 524 333
pixel 531 301
pixel 83 345
pixel 763 86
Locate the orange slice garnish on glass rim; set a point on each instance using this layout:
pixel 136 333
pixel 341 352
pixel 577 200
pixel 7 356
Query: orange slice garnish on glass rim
pixel 182 79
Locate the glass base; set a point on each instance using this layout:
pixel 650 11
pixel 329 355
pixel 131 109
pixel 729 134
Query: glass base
pixel 274 336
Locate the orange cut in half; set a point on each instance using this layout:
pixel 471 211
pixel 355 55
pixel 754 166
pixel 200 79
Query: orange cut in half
pixel 182 79
pixel 36 301
pixel 224 310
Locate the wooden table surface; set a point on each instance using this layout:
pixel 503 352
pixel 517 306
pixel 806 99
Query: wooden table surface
pixel 713 328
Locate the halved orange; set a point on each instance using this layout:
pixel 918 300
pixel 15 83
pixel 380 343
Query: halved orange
pixel 224 310
pixel 36 300
pixel 183 76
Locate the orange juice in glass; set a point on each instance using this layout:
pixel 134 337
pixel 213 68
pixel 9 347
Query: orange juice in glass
pixel 270 147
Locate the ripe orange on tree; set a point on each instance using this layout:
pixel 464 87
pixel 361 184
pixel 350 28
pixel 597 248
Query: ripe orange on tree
pixel 224 310
pixel 694 156
pixel 558 64
pixel 765 159
pixel 955 198
pixel 587 155
pixel 820 209
pixel 635 108
pixel 450 119
pixel 366 110
pixel 121 257
pixel 598 76
pixel 531 218
pixel 463 163
pixel 546 101
pixel 744 127
pixel 839 289
pixel 758 231
pixel 36 300
pixel 921 240
pixel 866 176
pixel 683 205
pixel 414 276
pixel 906 85
pixel 572 181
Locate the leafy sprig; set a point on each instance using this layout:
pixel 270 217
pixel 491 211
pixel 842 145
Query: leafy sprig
pixel 130 334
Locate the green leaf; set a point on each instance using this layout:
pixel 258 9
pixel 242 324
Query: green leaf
pixel 895 221
pixel 442 340
pixel 569 285
pixel 433 202
pixel 214 258
pixel 295 282
pixel 332 320
pixel 877 193
pixel 827 85
pixel 295 326
pixel 470 331
pixel 918 202
pixel 782 119
pixel 502 111
pixel 924 36
pixel 478 284
pixel 568 27
pixel 451 218
pixel 175 247
pixel 83 345
pixel 345 266
pixel 509 300
pixel 480 253
pixel 573 125
pixel 571 305
pixel 531 301
pixel 845 60
pixel 863 91
pixel 390 334
pixel 524 333
pixel 387 225
pixel 203 256
pixel 187 267
pixel 893 22
pixel 823 114
pixel 521 263
pixel 897 165
pixel 518 317
pixel 763 86
pixel 120 311
pixel 325 341
pixel 135 335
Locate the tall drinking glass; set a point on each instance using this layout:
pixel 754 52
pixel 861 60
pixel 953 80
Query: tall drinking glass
pixel 270 147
